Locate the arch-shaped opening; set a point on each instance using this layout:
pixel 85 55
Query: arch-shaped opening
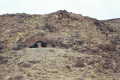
pixel 39 44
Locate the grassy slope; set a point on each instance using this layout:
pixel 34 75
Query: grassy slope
pixel 54 64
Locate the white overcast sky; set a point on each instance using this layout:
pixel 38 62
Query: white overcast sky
pixel 100 9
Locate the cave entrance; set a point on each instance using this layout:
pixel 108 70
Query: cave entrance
pixel 39 44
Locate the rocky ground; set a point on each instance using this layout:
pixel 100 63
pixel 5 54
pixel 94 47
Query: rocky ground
pixel 56 64
pixel 59 46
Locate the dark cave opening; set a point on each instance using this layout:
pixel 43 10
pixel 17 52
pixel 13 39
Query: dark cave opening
pixel 39 44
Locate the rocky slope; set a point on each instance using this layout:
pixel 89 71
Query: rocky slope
pixel 61 29
pixel 56 64
pixel 38 47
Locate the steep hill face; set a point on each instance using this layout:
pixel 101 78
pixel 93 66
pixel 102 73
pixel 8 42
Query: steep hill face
pixel 61 29
pixel 114 26
pixel 94 47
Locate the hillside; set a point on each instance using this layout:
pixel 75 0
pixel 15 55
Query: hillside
pixel 92 45
pixel 56 64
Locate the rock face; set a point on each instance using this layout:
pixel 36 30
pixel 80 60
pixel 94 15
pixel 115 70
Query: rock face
pixel 60 31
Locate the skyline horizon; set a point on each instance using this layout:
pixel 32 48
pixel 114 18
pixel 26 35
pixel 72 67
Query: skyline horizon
pixel 56 11
pixel 100 9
